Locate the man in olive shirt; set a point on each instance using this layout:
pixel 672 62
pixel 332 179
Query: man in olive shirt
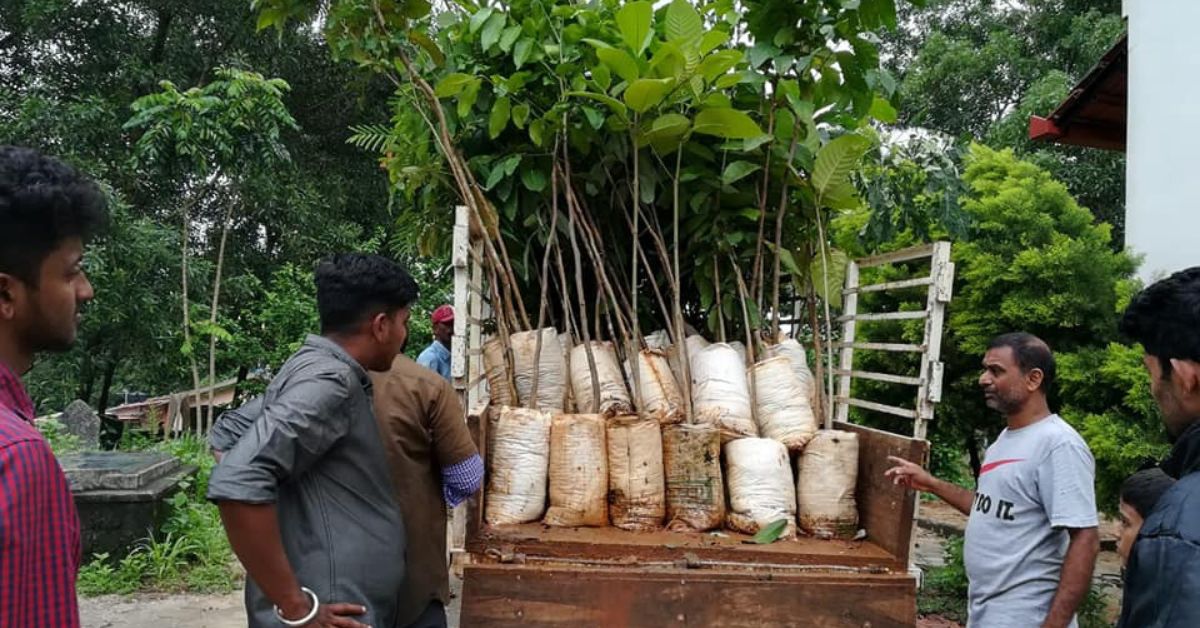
pixel 434 464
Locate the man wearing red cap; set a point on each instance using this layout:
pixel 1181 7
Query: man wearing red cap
pixel 436 356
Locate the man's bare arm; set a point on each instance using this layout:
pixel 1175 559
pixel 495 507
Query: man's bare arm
pixel 914 476
pixel 1076 578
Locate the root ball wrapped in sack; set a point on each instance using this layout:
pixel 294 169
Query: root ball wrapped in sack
pixel 520 456
pixel 760 485
pixel 614 397
pixel 794 352
pixel 636 494
pixel 661 398
pixel 826 476
pixel 547 366
pixel 578 471
pixel 695 488
pixel 500 388
pixel 784 413
pixel 720 392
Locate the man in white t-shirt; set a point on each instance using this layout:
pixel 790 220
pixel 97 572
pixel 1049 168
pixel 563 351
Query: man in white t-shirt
pixel 1031 540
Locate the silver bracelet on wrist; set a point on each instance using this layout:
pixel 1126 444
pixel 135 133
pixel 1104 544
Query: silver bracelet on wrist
pixel 312 614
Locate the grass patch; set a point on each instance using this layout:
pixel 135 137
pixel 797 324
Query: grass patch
pixel 188 553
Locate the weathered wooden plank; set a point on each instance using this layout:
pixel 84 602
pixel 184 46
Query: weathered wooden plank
pixel 891 285
pixel 662 547
pixel 884 346
pixel 885 510
pixel 878 407
pixel 884 316
pixel 846 359
pixel 879 377
pixel 498 596
pixel 903 255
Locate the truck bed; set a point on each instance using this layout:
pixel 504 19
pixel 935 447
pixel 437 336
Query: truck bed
pixel 537 575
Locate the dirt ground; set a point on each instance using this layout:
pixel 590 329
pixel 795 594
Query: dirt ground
pixel 225 611
pixel 185 611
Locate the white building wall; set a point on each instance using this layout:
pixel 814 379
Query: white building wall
pixel 1162 219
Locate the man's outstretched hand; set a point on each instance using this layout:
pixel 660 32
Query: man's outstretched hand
pixel 909 475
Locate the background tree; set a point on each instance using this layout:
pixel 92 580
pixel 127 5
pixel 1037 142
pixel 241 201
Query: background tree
pixel 980 68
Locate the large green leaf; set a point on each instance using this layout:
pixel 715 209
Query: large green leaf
pixel 883 110
pixel 666 132
pixel 728 123
pixel 452 84
pixel 712 40
pixel 718 63
pixel 533 179
pixel 415 9
pixel 423 40
pixel 634 21
pixel 509 37
pixel 520 114
pixel 620 62
pixel 492 30
pixel 521 51
pixel 480 16
pixel 466 100
pixel 684 25
pixel 829 270
pixel 738 170
pixel 770 533
pixel 498 120
pixel 602 77
pixel 644 94
pixel 837 160
pixel 617 106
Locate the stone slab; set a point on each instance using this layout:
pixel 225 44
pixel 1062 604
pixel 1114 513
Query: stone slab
pixel 116 470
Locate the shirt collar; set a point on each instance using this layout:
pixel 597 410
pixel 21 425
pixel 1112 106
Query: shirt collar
pixel 439 347
pixel 13 395
pixel 321 343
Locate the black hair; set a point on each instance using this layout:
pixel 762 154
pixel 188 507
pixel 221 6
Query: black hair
pixel 43 201
pixel 1030 352
pixel 1143 489
pixel 353 287
pixel 1165 318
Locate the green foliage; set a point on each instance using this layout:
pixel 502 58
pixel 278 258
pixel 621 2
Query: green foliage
pixel 982 68
pixel 61 441
pixel 189 553
pixel 1032 259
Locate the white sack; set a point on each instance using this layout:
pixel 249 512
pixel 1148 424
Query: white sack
pixel 720 392
pixel 784 413
pixel 614 398
pixel 500 390
pixel 827 472
pixel 637 497
pixel 760 485
pixel 520 455
pixel 692 465
pixel 550 368
pixel 578 471
pixel 795 353
pixel 661 398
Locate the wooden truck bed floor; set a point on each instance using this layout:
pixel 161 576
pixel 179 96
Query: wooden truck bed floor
pixel 535 542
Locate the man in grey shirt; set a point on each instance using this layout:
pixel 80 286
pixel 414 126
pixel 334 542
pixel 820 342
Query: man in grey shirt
pixel 305 494
pixel 1031 540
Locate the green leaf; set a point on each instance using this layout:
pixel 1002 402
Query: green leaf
pixel 521 51
pixel 624 65
pixel 671 125
pixel 738 170
pixel 728 80
pixel 829 269
pixel 644 94
pixel 479 18
pixel 634 21
pixel 595 118
pixel 770 533
pixel 877 13
pixel 883 111
pixel 719 63
pixel 533 179
pixel 785 258
pixel 415 9
pixel 612 103
pixel 684 25
pixel 754 142
pixel 727 123
pixel 494 177
pixel 509 37
pixel 430 47
pixel 501 110
pixel 452 84
pixel 602 77
pixel 520 114
pixel 466 100
pixel 841 196
pixel 712 40
pixel 537 132
pixel 492 30
pixel 837 160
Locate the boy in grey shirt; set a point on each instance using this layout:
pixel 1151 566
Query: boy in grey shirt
pixel 305 494
pixel 1031 539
